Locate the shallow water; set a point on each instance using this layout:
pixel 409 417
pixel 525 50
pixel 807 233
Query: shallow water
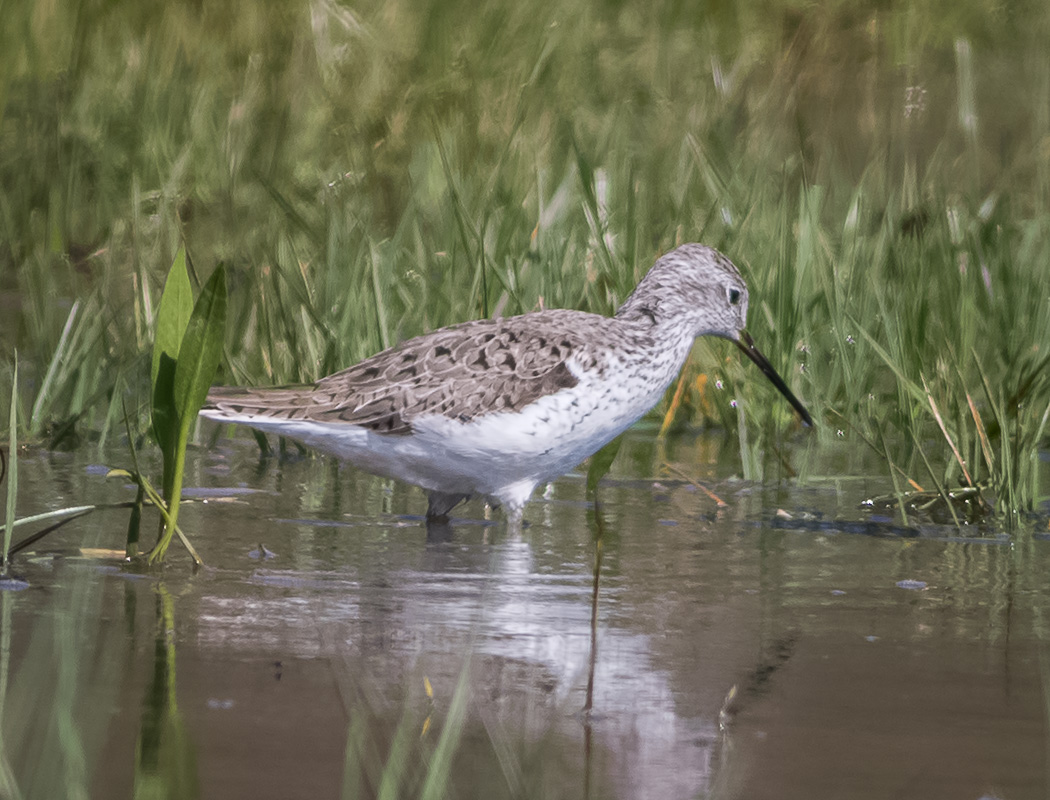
pixel 739 652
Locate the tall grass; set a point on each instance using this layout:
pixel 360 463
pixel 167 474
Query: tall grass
pixel 880 175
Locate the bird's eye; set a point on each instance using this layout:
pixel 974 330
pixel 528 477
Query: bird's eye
pixel 733 295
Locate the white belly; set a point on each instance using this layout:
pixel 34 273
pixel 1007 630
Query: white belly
pixel 502 455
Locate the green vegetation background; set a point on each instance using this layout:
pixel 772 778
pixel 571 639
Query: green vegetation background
pixel 880 172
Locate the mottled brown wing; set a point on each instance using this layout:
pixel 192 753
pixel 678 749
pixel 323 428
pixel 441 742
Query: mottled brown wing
pixel 461 372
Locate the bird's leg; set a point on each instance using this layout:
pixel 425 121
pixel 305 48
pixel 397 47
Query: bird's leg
pixel 440 503
pixel 515 519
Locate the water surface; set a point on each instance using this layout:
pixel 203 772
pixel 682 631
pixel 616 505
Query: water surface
pixel 784 645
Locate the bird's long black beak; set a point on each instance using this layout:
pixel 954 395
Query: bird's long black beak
pixel 746 344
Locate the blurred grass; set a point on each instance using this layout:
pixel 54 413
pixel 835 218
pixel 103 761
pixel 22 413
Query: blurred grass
pixel 881 174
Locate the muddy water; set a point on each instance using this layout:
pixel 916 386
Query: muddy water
pixel 783 645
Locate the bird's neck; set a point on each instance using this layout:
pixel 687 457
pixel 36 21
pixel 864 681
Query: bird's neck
pixel 645 318
pixel 639 308
pixel 658 345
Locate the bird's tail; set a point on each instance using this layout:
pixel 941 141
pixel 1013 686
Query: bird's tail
pixel 247 404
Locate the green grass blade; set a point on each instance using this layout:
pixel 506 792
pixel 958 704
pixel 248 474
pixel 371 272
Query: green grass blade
pixel 911 386
pixel 32 539
pixel 56 514
pixel 381 316
pixel 8 784
pixel 436 785
pixel 42 397
pixel 391 784
pixel 12 467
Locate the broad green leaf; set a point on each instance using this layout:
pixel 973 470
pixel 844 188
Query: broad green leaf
pixel 165 417
pixel 201 348
pixel 198 359
pixel 176 306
